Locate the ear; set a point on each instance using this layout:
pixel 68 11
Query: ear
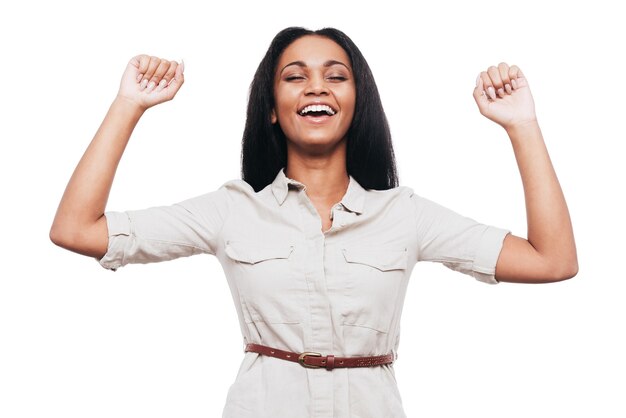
pixel 274 119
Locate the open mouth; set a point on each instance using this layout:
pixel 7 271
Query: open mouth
pixel 317 110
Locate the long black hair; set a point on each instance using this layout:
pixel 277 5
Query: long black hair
pixel 369 153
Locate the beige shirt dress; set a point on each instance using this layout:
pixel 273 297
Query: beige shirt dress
pixel 298 289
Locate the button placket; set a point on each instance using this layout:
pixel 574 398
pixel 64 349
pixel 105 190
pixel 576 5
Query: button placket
pixel 320 333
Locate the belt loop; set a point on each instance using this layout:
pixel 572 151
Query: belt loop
pixel 330 362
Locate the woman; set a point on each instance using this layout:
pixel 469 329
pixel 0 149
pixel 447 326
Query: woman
pixel 317 241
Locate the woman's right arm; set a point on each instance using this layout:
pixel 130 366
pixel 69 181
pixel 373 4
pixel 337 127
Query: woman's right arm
pixel 80 224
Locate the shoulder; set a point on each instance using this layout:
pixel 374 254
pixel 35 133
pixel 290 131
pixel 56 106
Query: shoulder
pixel 237 185
pixel 396 193
pixel 223 194
pixel 240 192
pixel 385 199
pixel 417 202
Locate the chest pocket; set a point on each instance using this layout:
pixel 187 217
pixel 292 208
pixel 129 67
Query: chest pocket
pixel 375 287
pixel 252 253
pixel 266 277
pixel 383 260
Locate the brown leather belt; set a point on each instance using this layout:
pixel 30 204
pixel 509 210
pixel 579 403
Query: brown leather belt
pixel 316 360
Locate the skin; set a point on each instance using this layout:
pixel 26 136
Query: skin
pixel 317 152
pixel 314 69
pixel 503 95
pixel 80 224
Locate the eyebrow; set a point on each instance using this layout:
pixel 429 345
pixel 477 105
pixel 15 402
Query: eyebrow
pixel 328 63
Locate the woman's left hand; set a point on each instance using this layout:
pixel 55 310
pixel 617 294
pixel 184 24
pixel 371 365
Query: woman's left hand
pixel 503 96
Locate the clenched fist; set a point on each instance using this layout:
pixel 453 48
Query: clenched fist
pixel 150 80
pixel 503 96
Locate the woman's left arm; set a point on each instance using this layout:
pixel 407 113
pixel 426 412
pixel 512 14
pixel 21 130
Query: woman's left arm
pixel 549 254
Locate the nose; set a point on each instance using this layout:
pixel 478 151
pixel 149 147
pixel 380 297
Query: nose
pixel 316 86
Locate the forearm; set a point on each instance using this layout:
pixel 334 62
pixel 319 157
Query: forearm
pixel 549 224
pixel 87 192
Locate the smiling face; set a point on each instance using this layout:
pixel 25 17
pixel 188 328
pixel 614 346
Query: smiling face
pixel 314 93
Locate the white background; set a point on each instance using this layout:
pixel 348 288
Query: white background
pixel 163 340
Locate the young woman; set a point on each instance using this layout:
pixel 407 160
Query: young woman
pixel 317 240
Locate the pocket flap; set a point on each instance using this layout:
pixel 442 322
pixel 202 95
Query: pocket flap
pixel 383 260
pixel 253 252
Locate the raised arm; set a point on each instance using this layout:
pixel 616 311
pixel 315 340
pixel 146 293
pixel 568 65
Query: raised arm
pixel 549 254
pixel 79 224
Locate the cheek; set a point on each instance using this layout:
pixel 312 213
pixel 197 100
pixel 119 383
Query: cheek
pixel 285 98
pixel 348 99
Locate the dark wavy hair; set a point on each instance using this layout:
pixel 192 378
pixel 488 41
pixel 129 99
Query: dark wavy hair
pixel 369 154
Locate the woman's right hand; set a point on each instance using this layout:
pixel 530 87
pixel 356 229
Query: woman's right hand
pixel 150 80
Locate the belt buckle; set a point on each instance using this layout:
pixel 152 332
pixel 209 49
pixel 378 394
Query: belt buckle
pixel 309 366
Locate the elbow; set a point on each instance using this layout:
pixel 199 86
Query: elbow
pixel 55 235
pixel 563 270
pixel 66 236
pixel 571 270
pixel 569 267
pixel 59 236
pixel 83 240
pixel 566 274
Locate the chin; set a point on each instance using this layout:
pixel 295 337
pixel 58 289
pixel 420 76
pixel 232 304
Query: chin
pixel 316 145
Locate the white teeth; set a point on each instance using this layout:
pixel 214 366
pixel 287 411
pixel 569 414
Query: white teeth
pixel 317 108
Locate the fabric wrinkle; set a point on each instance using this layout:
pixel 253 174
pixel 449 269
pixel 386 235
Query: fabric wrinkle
pixel 296 288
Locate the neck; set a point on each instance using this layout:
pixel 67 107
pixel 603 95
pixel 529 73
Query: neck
pixel 326 180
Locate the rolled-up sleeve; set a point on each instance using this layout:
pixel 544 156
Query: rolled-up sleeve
pixel 458 242
pixel 166 232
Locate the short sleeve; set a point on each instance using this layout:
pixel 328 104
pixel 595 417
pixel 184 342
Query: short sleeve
pixel 166 232
pixel 458 242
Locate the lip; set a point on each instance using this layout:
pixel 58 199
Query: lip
pixel 317 102
pixel 315 120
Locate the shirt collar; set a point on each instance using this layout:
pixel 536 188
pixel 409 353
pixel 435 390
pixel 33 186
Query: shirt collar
pixel 353 199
